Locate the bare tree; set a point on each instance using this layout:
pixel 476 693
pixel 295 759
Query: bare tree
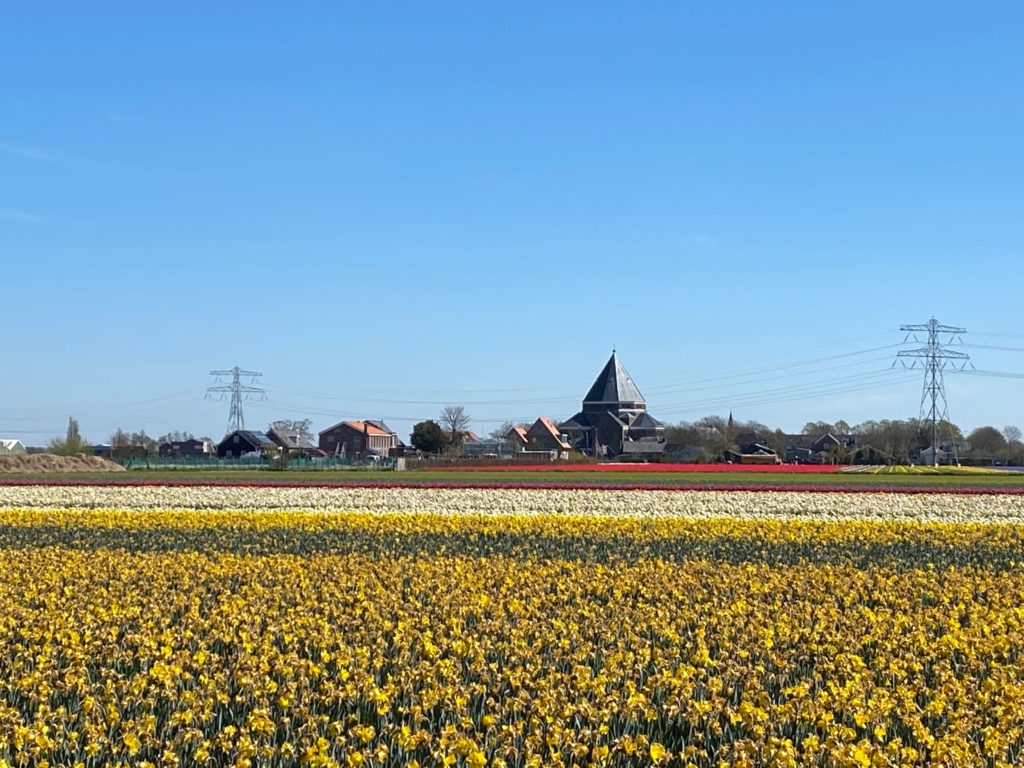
pixel 1012 434
pixel 303 426
pixel 454 421
pixel 501 432
pixel 175 436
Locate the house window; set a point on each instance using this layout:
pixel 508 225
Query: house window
pixel 330 439
pixel 236 440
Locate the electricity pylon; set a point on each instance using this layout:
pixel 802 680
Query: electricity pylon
pixel 934 357
pixel 239 391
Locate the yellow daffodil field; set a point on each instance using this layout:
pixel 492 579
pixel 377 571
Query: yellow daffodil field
pixel 248 626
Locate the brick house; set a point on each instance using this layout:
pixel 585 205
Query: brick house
pixel 543 435
pixel 359 439
pixel 517 439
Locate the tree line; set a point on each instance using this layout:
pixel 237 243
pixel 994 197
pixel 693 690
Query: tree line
pixel 896 441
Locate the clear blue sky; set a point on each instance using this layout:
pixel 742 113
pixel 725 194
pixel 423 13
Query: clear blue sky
pixel 387 207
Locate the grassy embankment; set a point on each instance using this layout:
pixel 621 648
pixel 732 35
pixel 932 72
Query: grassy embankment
pixel 555 478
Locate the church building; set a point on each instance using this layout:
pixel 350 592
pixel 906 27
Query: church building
pixel 614 422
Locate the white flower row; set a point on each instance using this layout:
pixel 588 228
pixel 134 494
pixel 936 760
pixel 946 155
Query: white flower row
pixel 590 502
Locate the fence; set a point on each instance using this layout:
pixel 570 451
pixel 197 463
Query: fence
pixel 255 463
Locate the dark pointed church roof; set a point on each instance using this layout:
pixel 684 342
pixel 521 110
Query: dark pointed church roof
pixel 615 386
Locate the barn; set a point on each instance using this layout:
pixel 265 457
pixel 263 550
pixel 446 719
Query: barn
pixel 11 448
pixel 242 442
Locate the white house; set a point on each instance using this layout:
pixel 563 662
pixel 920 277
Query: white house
pixel 11 448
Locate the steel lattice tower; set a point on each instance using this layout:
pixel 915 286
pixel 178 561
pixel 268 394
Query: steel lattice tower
pixel 934 357
pixel 239 391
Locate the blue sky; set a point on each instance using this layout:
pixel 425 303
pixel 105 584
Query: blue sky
pixel 389 207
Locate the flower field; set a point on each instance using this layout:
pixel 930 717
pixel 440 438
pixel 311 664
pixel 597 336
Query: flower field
pixel 466 627
pixel 804 469
pixel 519 502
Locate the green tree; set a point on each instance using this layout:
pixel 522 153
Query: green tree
pixel 777 442
pixel 902 440
pixel 818 428
pixel 73 443
pixel 427 436
pixel 987 444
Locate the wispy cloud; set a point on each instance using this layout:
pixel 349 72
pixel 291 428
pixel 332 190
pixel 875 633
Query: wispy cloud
pixel 29 153
pixel 75 164
pixel 9 215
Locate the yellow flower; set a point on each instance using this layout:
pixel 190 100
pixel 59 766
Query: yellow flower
pixel 131 740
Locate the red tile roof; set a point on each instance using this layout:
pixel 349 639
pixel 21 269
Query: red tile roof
pixel 365 426
pixel 551 427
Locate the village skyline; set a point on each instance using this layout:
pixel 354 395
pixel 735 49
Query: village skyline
pixel 631 432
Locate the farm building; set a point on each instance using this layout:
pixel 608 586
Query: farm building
pixel 486 448
pixel 359 439
pixel 614 419
pixel 11 448
pixel 826 449
pixel 186 449
pixel 241 442
pixel 751 448
pixel 517 439
pixel 543 435
pixel 293 441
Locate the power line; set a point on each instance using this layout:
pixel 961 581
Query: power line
pixel 711 382
pixel 239 391
pixel 994 374
pixel 756 372
pixel 852 383
pixel 999 335
pixel 997 348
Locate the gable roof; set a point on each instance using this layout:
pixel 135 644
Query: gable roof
pixel 550 427
pixel 546 425
pixel 613 385
pixel 368 426
pixel 291 438
pixel 519 432
pixel 251 436
pixel 379 424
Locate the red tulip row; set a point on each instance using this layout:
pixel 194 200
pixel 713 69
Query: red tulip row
pixel 657 467
pixel 412 482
